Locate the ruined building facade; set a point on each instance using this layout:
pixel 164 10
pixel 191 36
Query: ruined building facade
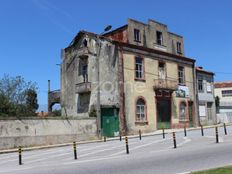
pixel 146 82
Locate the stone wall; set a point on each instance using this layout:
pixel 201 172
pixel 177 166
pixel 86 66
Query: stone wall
pixel 35 132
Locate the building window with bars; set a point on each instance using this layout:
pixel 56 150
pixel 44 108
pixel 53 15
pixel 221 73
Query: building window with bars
pixel 139 68
pixel 181 75
pixel 141 110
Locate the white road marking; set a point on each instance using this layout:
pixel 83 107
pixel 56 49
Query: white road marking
pixel 186 140
pixel 137 147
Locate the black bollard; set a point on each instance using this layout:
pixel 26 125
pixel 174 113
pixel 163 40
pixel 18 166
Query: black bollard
pixel 104 138
pixel 185 132
pixel 120 136
pixel 140 136
pixel 216 131
pixel 174 139
pixel 163 134
pixel 127 145
pixel 75 150
pixel 20 155
pixel 202 131
pixel 225 130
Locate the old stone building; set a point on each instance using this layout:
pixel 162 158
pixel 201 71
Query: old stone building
pixel 145 80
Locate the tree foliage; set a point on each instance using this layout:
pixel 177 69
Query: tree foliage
pixel 17 97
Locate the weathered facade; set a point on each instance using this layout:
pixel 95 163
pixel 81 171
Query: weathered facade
pixel 206 99
pixel 146 82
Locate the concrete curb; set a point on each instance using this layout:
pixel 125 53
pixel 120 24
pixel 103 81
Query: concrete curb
pixel 158 132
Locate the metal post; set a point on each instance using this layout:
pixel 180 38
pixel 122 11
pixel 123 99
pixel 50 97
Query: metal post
pixel 140 136
pixel 163 134
pixel 225 129
pixel 20 155
pixel 120 136
pixel 104 138
pixel 75 150
pixel 216 131
pixel 174 139
pixel 202 131
pixel 185 132
pixel 127 146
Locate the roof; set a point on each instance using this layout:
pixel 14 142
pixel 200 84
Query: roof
pixel 199 69
pixel 82 32
pixel 223 84
pixel 154 51
pixel 116 30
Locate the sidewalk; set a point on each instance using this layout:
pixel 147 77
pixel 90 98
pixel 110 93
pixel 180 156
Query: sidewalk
pixel 157 132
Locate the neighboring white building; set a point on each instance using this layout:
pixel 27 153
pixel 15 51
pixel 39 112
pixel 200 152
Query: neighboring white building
pixel 224 91
pixel 206 101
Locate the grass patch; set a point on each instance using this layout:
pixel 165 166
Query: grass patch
pixel 221 170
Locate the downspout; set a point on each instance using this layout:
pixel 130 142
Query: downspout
pixel 197 119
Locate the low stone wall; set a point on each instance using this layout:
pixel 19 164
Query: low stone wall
pixel 34 132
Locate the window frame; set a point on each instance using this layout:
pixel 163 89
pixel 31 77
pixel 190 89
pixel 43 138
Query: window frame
pixel 164 69
pixel 142 70
pixel 181 119
pixel 226 93
pixel 178 47
pixel 137 35
pixel 159 33
pixel 140 98
pixel 202 86
pixel 181 82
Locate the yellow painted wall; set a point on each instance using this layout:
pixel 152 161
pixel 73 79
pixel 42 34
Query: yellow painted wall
pixel 134 89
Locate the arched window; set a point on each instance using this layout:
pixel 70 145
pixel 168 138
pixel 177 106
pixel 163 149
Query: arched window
pixel 141 110
pixel 182 111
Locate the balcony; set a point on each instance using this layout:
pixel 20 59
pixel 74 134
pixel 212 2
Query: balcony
pixel 83 52
pixel 165 84
pixel 83 87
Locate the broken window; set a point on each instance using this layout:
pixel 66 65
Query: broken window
pixel 178 47
pixel 140 110
pixel 83 103
pixel 139 68
pixel 159 38
pixel 181 75
pixel 162 73
pixel 136 35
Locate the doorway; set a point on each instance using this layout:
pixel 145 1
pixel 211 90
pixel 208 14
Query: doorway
pixel 163 113
pixel 190 109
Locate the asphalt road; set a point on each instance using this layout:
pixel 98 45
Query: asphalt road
pixel 151 155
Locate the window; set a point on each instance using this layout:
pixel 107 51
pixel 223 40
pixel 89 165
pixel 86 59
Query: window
pixel 159 38
pixel 141 110
pixel 181 75
pixel 136 35
pixel 178 47
pixel 209 87
pixel 226 93
pixel 83 69
pixel 200 86
pixel 162 74
pixel 182 111
pixel 139 68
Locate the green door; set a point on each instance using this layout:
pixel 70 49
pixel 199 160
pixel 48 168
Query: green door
pixel 109 122
pixel 164 113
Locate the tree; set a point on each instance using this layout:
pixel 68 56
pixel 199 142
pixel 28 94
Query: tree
pixel 31 101
pixel 17 97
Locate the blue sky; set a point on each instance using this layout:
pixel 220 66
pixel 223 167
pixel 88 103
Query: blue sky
pixel 32 32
